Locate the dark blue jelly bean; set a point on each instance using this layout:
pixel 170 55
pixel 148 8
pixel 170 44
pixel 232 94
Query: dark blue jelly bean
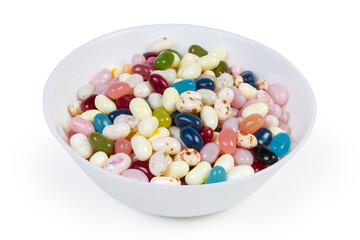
pixel 264 155
pixel 206 83
pixel 173 116
pixel 184 85
pixel 254 85
pixel 188 120
pixel 248 77
pixel 263 136
pixel 191 138
pixel 101 121
pixel 118 112
pixel 217 174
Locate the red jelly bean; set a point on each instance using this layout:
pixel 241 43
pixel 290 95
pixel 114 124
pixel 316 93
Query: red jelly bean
pixel 142 69
pixel 158 82
pixel 206 134
pixel 150 61
pixel 89 103
pixel 150 54
pixel 144 167
pixel 123 145
pixel 118 89
pixel 227 140
pixel 258 166
pixel 123 102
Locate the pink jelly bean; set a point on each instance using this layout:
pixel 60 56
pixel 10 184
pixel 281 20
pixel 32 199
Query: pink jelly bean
pixel 102 78
pixel 278 93
pixel 232 123
pixel 263 96
pixel 138 59
pixel 135 174
pixel 118 89
pixel 239 99
pixel 275 110
pixel 243 157
pixel 250 102
pixel 80 125
pixel 235 111
pixel 210 152
pixel 227 140
pixel 206 76
pixel 101 90
pixel 284 117
pixel 236 70
pixel 123 145
pixel 284 127
pixel 115 79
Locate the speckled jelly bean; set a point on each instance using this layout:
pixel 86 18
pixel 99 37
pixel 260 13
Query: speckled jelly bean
pixel 75 108
pixel 188 120
pixel 163 117
pixel 117 163
pixel 167 144
pixel 128 119
pixel 99 142
pixel 237 80
pixel 190 156
pixel 222 108
pixel 166 180
pixel 246 141
pixel 262 84
pixel 223 81
pixel 101 121
pixel 264 155
pixel 191 138
pixel 189 102
pixel 158 133
pixel 280 144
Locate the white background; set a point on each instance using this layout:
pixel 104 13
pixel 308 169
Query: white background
pixel 45 195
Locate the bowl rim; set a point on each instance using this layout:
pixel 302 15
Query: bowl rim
pixel 202 186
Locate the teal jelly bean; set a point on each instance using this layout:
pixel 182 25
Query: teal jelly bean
pixel 217 174
pixel 164 60
pixel 101 121
pixel 223 67
pixel 185 85
pixel 197 50
pixel 280 144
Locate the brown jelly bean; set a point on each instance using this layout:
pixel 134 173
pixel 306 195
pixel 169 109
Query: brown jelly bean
pixel 252 123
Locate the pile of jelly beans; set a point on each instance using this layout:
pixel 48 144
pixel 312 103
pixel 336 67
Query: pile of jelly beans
pixel 180 120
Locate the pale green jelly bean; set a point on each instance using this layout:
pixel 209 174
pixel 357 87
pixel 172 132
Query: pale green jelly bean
pixel 208 62
pixel 219 52
pixel 208 96
pixel 99 159
pixel 192 71
pixel 275 130
pixel 104 104
pixel 260 108
pixel 158 133
pixel 89 115
pixel 142 147
pixel 169 99
pixel 140 108
pixel 226 161
pixel 116 131
pixel 239 172
pixel 176 61
pixel 187 59
pixel 209 72
pixel 177 169
pixel 167 144
pixel 170 75
pixel 198 174
pixel 209 117
pixel 247 90
pixel 161 44
pixel 80 144
pixel 166 181
pixel 147 126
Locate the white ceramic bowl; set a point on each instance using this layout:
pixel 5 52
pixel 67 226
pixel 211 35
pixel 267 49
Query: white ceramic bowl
pixel 117 48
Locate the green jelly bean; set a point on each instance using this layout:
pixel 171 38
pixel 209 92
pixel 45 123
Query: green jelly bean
pixel 174 51
pixel 221 68
pixel 164 60
pixel 197 50
pixel 98 142
pixel 163 117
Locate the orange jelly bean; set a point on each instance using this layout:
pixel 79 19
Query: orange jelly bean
pixel 127 68
pixel 252 123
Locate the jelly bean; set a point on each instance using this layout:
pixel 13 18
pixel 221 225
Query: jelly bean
pixel 177 169
pixel 222 108
pixel 275 110
pixel 138 59
pixel 237 80
pixel 118 112
pixel 260 108
pixel 206 134
pixel 209 117
pixel 262 84
pixel 176 59
pixel 80 125
pixel 167 144
pixel 144 167
pixel 284 127
pixel 219 52
pixel 217 174
pixel 258 166
pixel 169 75
pixel 85 91
pixel 164 60
pixel 227 94
pixel 236 70
pixel 101 78
pixel 284 117
pixel 101 121
pixel 150 62
pixel 227 140
pixel 124 77
pixel 270 120
pixel 239 98
pixel 117 163
pixel 158 163
pixel 226 161
pixel 169 99
pixel 101 90
pixel 188 59
pixel 239 172
pixel 246 141
pixel 175 133
pixel 209 74
pixel 198 174
pixel 263 97
pixel 99 142
pixel 235 112
pixel 190 156
pixel 208 96
pixel 263 136
pixel 142 69
pixel 123 145
pixel 189 102
pixel 161 44
pixel 210 152
pixel 197 50
pixel 150 54
pixel 127 68
pixel 188 120
pixel 99 159
pixel 104 104
pixel 252 123
pixel 215 138
pixel 208 62
pixel 166 181
pixel 264 155
pixel 185 85
pixel 129 120
pixel 223 81
pixel 221 68
pixel 205 83
pixel 143 90
pixel 192 71
pixel 123 102
pixel 118 89
pixel 116 71
pixel 134 80
pixel 280 144
pixel 206 76
pixel 116 131
pixel 88 103
pixel 75 108
pixel 158 133
pixel 231 123
pixel 243 157
pixel 191 138
pixel 89 115
pixel 173 115
pixel 141 147
pixel 247 90
pixel 275 130
pixel 135 174
pixel 155 100
pixel 80 144
pixel 278 93
pixel 140 108
pixel 158 83
pixel 253 85
pixel 163 117
pixel 147 126
pixel 248 77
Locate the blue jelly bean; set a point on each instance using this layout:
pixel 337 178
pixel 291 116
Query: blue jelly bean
pixel 217 174
pixel 173 116
pixel 101 121
pixel 188 120
pixel 254 85
pixel 118 112
pixel 263 136
pixel 184 85
pixel 248 77
pixel 280 144
pixel 191 138
pixel 206 83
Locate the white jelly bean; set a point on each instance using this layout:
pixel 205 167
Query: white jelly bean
pixel 169 75
pixel 175 133
pixel 260 108
pixel 187 59
pixel 219 52
pixel 85 91
pixel 247 90
pixel 155 100
pixel 222 108
pixel 166 180
pixel 208 62
pixel 147 126
pixel 161 44
pixel 169 99
pixel 198 174
pixel 134 80
pixel 141 147
pixel 177 169
pixel 223 81
pixel 226 93
pixel 208 96
pixel 99 159
pixel 116 71
pixel 143 90
pixel 190 156
pixel 246 141
pixel 270 120
pixel 80 144
pixel 158 133
pixel 129 120
pixel 104 104
pixel 75 108
pixel 124 77
pixel 159 162
pixel 117 163
pixel 167 144
pixel 116 131
pixel 239 172
pixel 192 71
pixel 226 161
pixel 140 108
pixel 89 115
pixel 209 117
pixel 275 130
